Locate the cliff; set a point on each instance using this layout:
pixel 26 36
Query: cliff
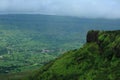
pixel 98 59
pixel 108 42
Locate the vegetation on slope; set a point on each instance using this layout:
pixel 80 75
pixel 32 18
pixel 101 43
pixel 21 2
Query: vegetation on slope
pixel 98 59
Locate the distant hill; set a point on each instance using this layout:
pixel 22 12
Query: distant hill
pixel 49 22
pixel 98 59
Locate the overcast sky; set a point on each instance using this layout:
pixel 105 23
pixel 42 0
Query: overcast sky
pixel 79 8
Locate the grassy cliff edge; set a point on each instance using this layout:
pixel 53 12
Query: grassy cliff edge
pixel 98 59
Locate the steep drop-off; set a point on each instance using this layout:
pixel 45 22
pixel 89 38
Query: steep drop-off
pixel 98 59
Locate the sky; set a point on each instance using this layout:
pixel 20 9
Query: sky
pixel 78 8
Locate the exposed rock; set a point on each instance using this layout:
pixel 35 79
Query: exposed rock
pixel 92 36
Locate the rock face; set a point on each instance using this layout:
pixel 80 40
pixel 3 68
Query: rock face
pixel 108 42
pixel 117 50
pixel 92 36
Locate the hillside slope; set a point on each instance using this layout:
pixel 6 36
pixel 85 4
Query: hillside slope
pixel 98 59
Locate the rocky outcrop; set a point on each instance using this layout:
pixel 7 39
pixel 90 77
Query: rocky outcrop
pixel 92 36
pixel 108 42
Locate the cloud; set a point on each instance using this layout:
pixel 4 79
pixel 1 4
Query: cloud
pixel 79 8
